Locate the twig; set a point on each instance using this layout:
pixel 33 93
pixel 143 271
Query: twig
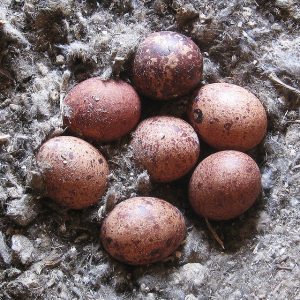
pixel 274 78
pixel 215 235
pixel 284 268
pixel 293 121
pixel 296 167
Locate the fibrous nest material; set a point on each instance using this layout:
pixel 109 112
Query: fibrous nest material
pixel 48 46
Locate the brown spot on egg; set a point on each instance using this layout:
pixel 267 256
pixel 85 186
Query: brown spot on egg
pixel 227 126
pixel 167 147
pixel 155 252
pixel 241 120
pixel 140 239
pixel 224 185
pixel 198 115
pixel 69 179
pixel 167 65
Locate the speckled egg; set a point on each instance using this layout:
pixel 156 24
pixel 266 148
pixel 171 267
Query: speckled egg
pixel 167 147
pixel 101 110
pixel 74 172
pixel 224 185
pixel 167 65
pixel 227 116
pixel 143 230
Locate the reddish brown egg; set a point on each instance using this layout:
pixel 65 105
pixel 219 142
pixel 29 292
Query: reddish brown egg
pixel 227 116
pixel 167 147
pixel 74 172
pixel 143 230
pixel 224 185
pixel 167 65
pixel 101 110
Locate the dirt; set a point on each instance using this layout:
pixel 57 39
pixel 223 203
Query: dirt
pixel 47 252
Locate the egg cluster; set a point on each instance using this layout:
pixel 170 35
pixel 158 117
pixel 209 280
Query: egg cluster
pixel 227 117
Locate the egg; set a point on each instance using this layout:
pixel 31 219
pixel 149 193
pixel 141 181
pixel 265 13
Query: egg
pixel 224 185
pixel 73 171
pixel 143 230
pixel 101 110
pixel 167 147
pixel 228 117
pixel 167 65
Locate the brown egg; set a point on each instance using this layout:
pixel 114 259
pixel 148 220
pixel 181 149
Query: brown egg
pixel 143 230
pixel 227 116
pixel 167 65
pixel 167 147
pixel 101 110
pixel 74 172
pixel 224 185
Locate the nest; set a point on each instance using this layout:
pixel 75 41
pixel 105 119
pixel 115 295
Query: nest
pixel 48 46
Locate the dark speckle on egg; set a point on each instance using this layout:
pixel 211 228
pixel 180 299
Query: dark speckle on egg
pixel 198 115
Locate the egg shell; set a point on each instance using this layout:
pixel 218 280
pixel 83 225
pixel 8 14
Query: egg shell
pixel 74 172
pixel 167 147
pixel 224 185
pixel 101 110
pixel 167 65
pixel 143 230
pixel 228 117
